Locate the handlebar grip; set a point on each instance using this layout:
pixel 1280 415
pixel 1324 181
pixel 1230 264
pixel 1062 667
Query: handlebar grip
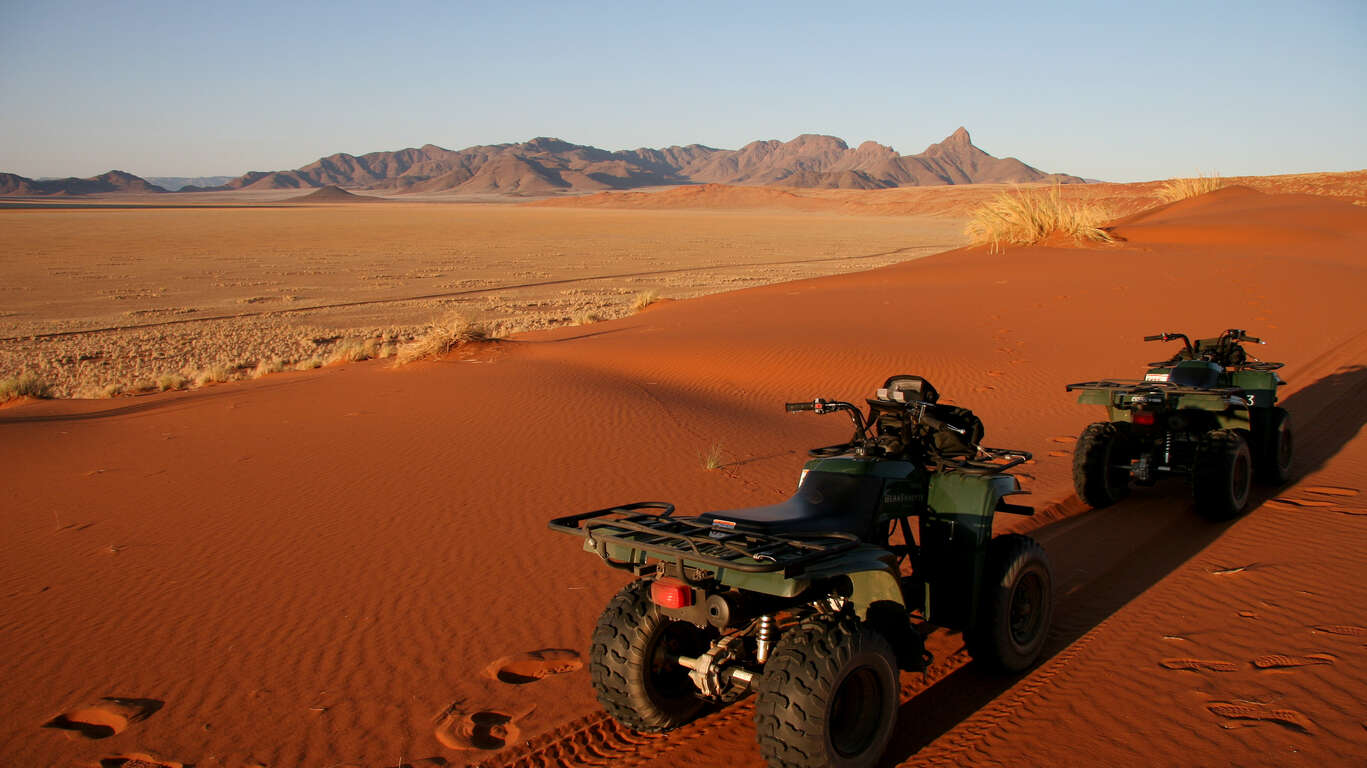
pixel 1158 337
pixel 1251 339
pixel 795 407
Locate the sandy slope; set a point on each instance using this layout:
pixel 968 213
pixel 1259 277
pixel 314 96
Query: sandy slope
pixel 350 566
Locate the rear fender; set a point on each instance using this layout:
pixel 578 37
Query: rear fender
pixel 954 536
pixel 871 573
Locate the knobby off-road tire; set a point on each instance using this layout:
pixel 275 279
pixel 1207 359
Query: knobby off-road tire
pixel 1222 476
pixel 828 697
pixel 1102 448
pixel 1016 606
pixel 633 663
pixel 1272 446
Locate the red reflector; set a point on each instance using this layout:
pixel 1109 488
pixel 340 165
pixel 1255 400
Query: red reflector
pixel 1144 418
pixel 671 594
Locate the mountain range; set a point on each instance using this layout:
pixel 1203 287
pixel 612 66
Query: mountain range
pixel 546 166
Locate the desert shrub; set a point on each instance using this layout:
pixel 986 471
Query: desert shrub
pixel 1180 189
pixel 26 384
pixel 1022 217
pixel 587 318
pixel 644 299
pixel 455 331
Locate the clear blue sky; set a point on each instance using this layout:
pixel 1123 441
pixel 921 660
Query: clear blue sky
pixel 1123 91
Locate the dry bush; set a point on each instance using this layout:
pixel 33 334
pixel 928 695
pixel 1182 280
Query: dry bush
pixel 26 384
pixel 587 318
pixel 1181 189
pixel 455 331
pixel 1023 217
pixel 644 299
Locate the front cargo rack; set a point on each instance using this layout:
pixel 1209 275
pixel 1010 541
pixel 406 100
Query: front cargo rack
pixel 708 543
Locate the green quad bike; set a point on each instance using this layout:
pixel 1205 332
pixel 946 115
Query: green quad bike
pixel 1206 414
pixel 810 603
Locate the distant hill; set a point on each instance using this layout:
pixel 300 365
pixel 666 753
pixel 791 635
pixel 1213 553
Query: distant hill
pixel 176 183
pixel 546 166
pixel 332 194
pixel 113 181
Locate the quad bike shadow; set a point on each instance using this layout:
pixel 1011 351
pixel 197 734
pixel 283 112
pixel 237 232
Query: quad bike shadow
pixel 1122 550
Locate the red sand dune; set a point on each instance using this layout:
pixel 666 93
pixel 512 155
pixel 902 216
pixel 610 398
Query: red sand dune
pixel 351 566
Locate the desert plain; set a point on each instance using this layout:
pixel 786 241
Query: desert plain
pixel 349 565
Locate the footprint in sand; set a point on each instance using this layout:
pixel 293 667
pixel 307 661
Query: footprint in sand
pixel 1345 630
pixel 1287 717
pixel 984 388
pixel 1331 490
pixel 487 729
pixel 1303 502
pixel 100 721
pixel 1059 454
pixel 1278 661
pixel 532 666
pixel 138 760
pixel 1065 439
pixel 1196 665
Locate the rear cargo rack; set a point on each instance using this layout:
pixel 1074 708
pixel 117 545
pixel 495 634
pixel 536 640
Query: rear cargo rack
pixel 1164 387
pixel 708 543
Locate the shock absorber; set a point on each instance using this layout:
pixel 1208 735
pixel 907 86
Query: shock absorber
pixel 764 638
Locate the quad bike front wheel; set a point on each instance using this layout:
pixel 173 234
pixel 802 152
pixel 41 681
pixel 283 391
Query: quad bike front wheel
pixel 1222 477
pixel 634 663
pixel 1100 464
pixel 1272 441
pixel 829 695
pixel 1017 605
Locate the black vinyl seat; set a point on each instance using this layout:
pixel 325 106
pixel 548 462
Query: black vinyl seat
pixel 827 501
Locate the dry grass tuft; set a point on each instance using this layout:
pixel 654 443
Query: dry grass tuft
pixel 455 331
pixel 644 299
pixel 352 351
pixel 712 459
pixel 1181 189
pixel 587 318
pixel 264 367
pixel 26 384
pixel 170 381
pixel 213 375
pixel 1022 218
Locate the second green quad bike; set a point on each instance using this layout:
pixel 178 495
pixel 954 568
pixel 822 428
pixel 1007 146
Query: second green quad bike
pixel 814 604
pixel 1208 414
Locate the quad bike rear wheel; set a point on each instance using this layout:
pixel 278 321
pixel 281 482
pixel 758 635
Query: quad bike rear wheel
pixel 1273 447
pixel 1016 606
pixel 1223 474
pixel 634 663
pixel 829 695
pixel 1100 461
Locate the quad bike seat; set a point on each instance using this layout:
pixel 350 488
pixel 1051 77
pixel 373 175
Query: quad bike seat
pixel 827 501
